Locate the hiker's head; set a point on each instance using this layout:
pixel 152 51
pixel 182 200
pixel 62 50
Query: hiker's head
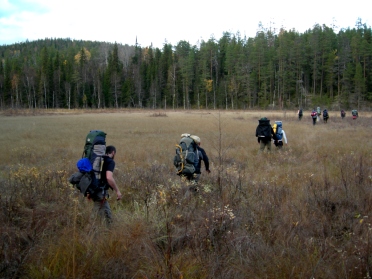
pixel 196 139
pixel 111 150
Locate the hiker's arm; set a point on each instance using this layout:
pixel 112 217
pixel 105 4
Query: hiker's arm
pixel 206 160
pixel 112 183
pixel 285 137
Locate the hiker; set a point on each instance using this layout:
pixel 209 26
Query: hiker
pixel 300 113
pixel 101 206
pixel 318 111
pixel 343 114
pixel 325 116
pixel 314 116
pixel 264 134
pixel 280 134
pixel 202 155
pixel 186 159
pixel 354 114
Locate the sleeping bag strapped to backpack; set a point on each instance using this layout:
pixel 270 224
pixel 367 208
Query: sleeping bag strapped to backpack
pixel 87 179
pixel 186 157
pixel 84 180
pixel 278 129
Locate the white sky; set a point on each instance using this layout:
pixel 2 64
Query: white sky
pixel 159 21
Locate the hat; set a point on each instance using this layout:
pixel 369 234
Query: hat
pixel 195 138
pixel 185 135
pixel 264 118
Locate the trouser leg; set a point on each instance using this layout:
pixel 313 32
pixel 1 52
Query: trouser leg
pixel 102 211
pixel 268 146
pixel 262 145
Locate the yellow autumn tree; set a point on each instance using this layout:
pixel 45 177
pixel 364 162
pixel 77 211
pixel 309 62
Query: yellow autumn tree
pixel 82 56
pixel 208 84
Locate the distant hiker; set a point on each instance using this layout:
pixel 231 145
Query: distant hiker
pixel 264 134
pixel 343 114
pixel 101 206
pixel 314 116
pixel 319 112
pixel 300 113
pixel 325 116
pixel 280 134
pixel 354 113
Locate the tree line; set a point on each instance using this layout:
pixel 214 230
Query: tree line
pixel 275 69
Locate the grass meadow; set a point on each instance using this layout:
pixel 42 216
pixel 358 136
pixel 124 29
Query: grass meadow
pixel 301 212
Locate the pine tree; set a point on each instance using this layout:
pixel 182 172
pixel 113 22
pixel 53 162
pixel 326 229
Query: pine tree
pixel 2 89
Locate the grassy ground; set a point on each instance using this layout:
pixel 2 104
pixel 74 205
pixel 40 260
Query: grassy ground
pixel 301 212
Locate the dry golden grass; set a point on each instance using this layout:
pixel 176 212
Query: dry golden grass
pixel 301 212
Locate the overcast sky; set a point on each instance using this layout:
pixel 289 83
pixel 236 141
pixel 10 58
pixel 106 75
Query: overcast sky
pixel 158 21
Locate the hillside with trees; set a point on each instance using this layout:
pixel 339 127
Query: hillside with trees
pixel 281 69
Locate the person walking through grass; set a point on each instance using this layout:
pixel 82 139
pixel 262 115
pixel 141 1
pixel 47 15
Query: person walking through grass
pixel 101 207
pixel 264 134
pixel 280 134
pixel 325 116
pixel 354 114
pixel 300 113
pixel 186 159
pixel 343 114
pixel 314 116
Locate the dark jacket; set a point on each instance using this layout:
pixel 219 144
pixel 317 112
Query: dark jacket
pixel 264 131
pixel 202 156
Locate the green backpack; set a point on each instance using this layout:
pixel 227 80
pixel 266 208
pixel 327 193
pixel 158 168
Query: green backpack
pixel 94 149
pixel 87 179
pixel 186 157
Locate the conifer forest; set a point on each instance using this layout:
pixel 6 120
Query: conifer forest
pixel 281 69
